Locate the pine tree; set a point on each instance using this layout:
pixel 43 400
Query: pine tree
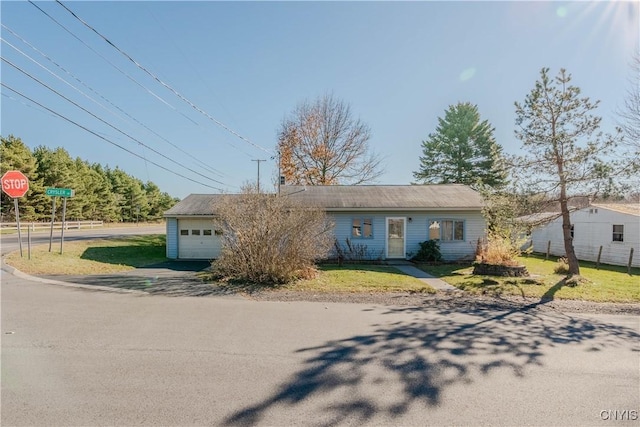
pixel 462 150
pixel 566 154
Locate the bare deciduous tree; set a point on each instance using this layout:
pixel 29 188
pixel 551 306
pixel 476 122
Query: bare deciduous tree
pixel 320 143
pixel 270 239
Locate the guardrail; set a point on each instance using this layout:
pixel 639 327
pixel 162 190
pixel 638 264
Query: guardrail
pixel 33 226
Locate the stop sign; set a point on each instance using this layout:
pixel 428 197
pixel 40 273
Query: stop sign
pixel 15 184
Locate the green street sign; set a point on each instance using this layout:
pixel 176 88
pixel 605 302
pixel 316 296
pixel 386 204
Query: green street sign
pixel 59 192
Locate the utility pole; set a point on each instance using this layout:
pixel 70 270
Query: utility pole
pixel 279 173
pixel 258 161
pixel 280 177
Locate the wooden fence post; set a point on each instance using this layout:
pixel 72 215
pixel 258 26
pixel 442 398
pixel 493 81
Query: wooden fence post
pixel 598 261
pixel 548 250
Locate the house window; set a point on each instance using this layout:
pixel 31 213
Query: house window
pixel 195 232
pixel 446 230
pixel 362 228
pixel 206 232
pixel 618 233
pixel 218 232
pixel 184 232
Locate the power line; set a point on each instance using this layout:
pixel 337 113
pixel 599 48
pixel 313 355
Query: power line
pixel 106 139
pixel 107 123
pixel 207 167
pixel 156 78
pixel 60 78
pixel 158 97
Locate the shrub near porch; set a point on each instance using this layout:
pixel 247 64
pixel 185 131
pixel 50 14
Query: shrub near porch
pixel 607 284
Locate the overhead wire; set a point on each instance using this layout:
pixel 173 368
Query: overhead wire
pixel 185 60
pixel 204 165
pixel 158 97
pixel 107 123
pixel 156 78
pixel 104 138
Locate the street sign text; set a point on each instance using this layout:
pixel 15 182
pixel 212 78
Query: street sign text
pixel 59 192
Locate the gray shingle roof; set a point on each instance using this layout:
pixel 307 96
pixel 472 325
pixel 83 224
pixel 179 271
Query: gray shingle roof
pixel 370 197
pixel 194 205
pixel 336 197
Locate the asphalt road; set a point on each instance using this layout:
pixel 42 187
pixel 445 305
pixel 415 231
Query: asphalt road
pixel 79 357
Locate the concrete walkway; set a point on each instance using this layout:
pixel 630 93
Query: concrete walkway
pixel 434 282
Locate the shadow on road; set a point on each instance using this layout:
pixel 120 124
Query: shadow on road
pixel 426 356
pixel 170 278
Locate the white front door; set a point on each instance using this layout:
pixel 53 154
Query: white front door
pixel 396 230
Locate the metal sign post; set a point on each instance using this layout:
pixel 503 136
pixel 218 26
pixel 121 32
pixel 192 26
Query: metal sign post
pixel 15 184
pixel 53 218
pixel 64 214
pixel 15 205
pixel 65 193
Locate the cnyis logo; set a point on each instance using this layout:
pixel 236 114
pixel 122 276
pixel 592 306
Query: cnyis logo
pixel 619 415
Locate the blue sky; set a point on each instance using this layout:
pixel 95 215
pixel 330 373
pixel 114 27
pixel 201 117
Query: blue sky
pixel 248 64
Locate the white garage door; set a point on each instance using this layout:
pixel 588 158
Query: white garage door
pixel 198 239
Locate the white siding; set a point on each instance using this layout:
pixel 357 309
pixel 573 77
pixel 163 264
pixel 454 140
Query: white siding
pixel 592 230
pixel 200 240
pixel 417 231
pixel 172 238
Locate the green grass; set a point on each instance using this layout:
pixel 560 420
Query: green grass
pixel 101 256
pixel 360 278
pixel 607 284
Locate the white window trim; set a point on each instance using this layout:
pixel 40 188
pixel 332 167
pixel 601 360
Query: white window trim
pixel 453 220
pixel 386 235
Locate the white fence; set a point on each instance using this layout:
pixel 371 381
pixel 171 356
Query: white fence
pixel 33 226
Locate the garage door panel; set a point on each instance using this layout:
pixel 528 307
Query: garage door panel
pixel 197 239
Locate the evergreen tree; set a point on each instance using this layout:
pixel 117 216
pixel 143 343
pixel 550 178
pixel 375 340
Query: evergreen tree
pixel 462 150
pixel 101 194
pixel 566 154
pixel 15 155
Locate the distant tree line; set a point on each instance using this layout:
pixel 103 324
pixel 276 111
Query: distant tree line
pixel 101 193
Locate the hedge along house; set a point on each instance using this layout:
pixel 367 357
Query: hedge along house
pixel 608 231
pixel 383 221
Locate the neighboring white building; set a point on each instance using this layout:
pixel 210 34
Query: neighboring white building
pixel 615 227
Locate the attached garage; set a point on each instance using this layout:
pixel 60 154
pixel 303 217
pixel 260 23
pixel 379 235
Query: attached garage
pixel 191 229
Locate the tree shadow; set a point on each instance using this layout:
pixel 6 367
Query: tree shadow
pixel 550 293
pixel 133 255
pixel 169 278
pixel 423 357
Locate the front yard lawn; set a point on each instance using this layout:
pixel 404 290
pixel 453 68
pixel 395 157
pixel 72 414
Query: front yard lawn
pixel 83 257
pixel 608 284
pixel 360 278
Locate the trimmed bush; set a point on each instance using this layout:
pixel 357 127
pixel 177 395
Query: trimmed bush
pixel 429 252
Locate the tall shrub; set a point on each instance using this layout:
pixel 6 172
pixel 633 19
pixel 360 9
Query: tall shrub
pixel 270 239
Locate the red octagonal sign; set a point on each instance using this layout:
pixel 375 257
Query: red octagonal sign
pixel 15 184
